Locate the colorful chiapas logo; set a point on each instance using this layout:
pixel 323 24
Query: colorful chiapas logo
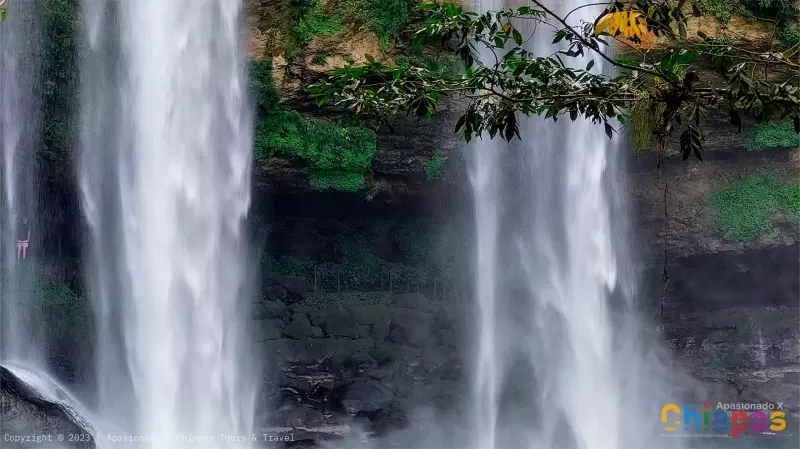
pixel 759 418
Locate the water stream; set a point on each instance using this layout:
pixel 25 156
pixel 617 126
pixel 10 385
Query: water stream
pixel 561 361
pixel 20 133
pixel 165 178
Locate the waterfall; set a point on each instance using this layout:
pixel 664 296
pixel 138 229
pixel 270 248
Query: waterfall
pixel 165 179
pixel 20 132
pixel 561 359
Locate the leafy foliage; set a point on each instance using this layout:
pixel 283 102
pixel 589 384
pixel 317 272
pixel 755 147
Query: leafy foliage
pixel 336 155
pixel 517 81
pixel 386 18
pixel 317 22
pixel 772 135
pixel 744 211
pixel 723 10
pixel 790 35
pixel 780 10
pixel 434 167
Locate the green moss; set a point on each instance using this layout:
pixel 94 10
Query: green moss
pixel 386 18
pixel 434 167
pixel 772 135
pixel 341 181
pixel 791 35
pixel 789 197
pixel 744 211
pixel 723 10
pixel 336 155
pixel 266 95
pixel 318 22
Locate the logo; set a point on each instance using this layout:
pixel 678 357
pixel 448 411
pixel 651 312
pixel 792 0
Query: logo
pixel 761 418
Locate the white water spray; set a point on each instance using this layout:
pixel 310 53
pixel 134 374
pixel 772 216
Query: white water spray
pixel 20 131
pixel 165 177
pixel 560 360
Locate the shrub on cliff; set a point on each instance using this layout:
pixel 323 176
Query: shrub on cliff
pixel 665 87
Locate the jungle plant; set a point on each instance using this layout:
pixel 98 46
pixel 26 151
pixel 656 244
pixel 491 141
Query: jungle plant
pixel 514 80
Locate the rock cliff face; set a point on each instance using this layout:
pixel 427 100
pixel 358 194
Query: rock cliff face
pixel 718 278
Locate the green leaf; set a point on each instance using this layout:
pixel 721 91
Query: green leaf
pixel 460 123
pixel 517 36
pixel 3 13
pixel 609 130
pixel 590 65
pixel 685 57
pixel 559 36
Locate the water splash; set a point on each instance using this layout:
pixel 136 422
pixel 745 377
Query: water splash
pixel 165 178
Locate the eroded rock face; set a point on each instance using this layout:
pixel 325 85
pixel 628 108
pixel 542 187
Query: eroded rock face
pixel 25 411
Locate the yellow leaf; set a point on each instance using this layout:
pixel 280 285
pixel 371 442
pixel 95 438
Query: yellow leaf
pixel 603 23
pixel 489 92
pixel 506 27
pixel 613 27
pixel 643 29
pixel 632 24
pixel 358 109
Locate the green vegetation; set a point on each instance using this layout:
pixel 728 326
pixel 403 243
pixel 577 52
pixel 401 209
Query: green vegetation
pixel 789 196
pixel 443 65
pixel 791 35
pixel 385 18
pixel 337 156
pixel 336 180
pixel 64 314
pixel 772 135
pixel 320 57
pixel 494 95
pixel 780 10
pixel 744 211
pixel 434 167
pixel 723 10
pixel 426 257
pixel 317 22
pixel 60 72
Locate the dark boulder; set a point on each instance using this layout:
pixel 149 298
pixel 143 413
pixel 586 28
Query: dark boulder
pixel 299 327
pixel 24 410
pixel 297 289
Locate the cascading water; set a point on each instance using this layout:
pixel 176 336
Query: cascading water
pixel 165 178
pixel 20 131
pixel 560 359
